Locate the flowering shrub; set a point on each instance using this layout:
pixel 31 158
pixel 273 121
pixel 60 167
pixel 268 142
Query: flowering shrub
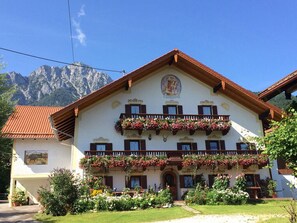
pixel 107 202
pixel 240 183
pixel 220 193
pixel 141 123
pixel 221 182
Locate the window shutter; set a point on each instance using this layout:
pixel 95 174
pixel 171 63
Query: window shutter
pixel 93 147
pixel 180 109
pixel 165 109
pixel 198 179
pixel 108 146
pixel 238 146
pixel 179 146
pixel 109 182
pixel 194 146
pixel 207 144
pixel 127 146
pixel 210 180
pixel 181 181
pixel 214 110
pixel 222 145
pixel 143 109
pixel 127 182
pixel 142 145
pixel 128 109
pixel 143 182
pixel 200 110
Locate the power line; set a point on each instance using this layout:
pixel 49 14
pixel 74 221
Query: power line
pixel 61 62
pixel 70 27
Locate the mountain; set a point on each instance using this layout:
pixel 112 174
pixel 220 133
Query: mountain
pixel 56 86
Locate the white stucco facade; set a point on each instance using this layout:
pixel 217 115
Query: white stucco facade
pixel 96 124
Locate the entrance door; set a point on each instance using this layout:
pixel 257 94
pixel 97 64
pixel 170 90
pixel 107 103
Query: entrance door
pixel 169 180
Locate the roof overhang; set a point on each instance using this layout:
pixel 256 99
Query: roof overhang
pixel 64 120
pixel 288 85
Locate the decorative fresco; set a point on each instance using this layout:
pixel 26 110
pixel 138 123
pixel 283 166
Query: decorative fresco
pixel 36 157
pixel 171 85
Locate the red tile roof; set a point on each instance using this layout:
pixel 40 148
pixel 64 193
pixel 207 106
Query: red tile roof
pixel 29 122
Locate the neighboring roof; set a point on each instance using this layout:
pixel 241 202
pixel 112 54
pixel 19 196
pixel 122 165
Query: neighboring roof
pixel 64 120
pixel 287 84
pixel 29 122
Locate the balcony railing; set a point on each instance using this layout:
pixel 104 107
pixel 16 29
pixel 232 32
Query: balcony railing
pixel 173 123
pixel 170 153
pixel 224 118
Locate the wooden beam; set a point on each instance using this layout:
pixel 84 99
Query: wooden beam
pixel 272 114
pixel 76 112
pixel 264 114
pixel 175 58
pixel 128 84
pixel 222 85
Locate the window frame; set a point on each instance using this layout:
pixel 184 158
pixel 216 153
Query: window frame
pixel 141 146
pixel 213 110
pixel 94 151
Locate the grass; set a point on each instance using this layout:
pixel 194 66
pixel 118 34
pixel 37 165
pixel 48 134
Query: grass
pixel 276 220
pixel 148 215
pixel 263 208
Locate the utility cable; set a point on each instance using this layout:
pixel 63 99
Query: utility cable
pixel 61 62
pixel 70 27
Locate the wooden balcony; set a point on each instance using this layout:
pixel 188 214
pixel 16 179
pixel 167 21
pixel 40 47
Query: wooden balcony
pixel 173 123
pixel 170 153
pixel 224 118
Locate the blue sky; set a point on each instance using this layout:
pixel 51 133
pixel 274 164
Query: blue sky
pixel 252 42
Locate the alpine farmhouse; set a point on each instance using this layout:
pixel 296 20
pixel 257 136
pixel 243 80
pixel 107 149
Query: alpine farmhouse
pixel 172 122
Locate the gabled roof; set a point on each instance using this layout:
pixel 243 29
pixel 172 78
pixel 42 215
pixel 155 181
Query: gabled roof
pixel 287 84
pixel 29 122
pixel 64 120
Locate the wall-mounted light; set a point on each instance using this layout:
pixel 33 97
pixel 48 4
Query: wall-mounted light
pixel 150 137
pixel 164 138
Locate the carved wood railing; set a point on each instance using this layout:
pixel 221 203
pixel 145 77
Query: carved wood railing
pixel 224 118
pixel 170 153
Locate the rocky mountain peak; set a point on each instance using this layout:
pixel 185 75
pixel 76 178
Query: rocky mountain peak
pixel 74 80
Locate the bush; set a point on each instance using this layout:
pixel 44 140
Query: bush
pixel 197 195
pixel 19 197
pixel 63 193
pixel 220 193
pixel 240 183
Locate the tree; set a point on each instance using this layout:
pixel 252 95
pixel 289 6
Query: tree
pixel 6 108
pixel 281 141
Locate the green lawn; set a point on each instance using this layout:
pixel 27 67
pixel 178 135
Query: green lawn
pixel 266 208
pixel 123 217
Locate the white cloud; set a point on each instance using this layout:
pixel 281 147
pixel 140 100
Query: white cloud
pixel 80 36
pixel 81 11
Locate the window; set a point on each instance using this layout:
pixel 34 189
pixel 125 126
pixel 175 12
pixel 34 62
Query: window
pixel 173 110
pixel 134 145
pixel 100 149
pixel 133 110
pixel 252 180
pixel 186 146
pixel 245 146
pixel 207 110
pixel 213 146
pixel 136 181
pixel 189 181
